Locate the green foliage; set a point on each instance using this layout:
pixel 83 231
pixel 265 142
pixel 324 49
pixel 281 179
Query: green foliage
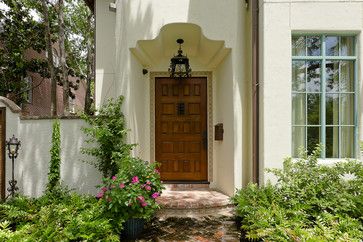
pixel 310 202
pixel 70 217
pixel 107 131
pixel 19 32
pixel 55 159
pixel 132 192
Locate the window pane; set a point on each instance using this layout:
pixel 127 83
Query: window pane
pixel 313 78
pixel 347 143
pixel 313 109
pixel 298 76
pixel 332 109
pixel 298 140
pixel 347 109
pixel 332 142
pixel 347 45
pixel 298 46
pixel 332 76
pixel 347 76
pixel 313 45
pixel 313 138
pixel 332 45
pixel 298 109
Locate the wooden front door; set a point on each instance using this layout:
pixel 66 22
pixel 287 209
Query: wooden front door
pixel 2 153
pixel 181 128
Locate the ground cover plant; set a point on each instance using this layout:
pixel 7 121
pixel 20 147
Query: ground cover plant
pixel 309 202
pixel 58 215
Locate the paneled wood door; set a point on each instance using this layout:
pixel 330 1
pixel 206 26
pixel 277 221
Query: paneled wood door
pixel 2 152
pixel 181 128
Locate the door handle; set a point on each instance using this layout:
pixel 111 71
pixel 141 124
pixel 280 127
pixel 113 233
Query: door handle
pixel 205 139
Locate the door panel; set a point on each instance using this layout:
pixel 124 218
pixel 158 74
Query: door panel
pixel 181 126
pixel 2 152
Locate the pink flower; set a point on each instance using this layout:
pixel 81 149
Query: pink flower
pixel 122 185
pixel 157 171
pixel 104 189
pixel 147 187
pixel 155 195
pixel 113 178
pixel 134 180
pixel 143 204
pixel 148 182
pixel 100 194
pixel 141 199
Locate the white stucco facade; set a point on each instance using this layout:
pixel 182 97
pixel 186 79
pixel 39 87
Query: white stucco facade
pixel 278 21
pixel 141 34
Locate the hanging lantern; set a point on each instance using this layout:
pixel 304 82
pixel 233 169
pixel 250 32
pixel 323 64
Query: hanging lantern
pixel 179 64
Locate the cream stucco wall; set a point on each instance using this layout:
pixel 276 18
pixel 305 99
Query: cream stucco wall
pixel 136 20
pixel 278 20
pixel 31 166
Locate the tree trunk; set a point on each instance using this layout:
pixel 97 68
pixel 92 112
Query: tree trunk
pixel 90 73
pixel 53 93
pixel 63 59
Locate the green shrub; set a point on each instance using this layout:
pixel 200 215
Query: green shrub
pixel 309 202
pixel 107 137
pixel 71 217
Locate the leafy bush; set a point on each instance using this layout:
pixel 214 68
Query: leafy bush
pixel 132 192
pixel 309 202
pixel 70 217
pixel 107 131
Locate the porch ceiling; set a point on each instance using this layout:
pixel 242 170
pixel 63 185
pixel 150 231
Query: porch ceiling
pixel 208 53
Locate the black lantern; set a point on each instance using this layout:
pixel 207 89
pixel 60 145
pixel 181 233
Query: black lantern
pixel 179 64
pixel 13 147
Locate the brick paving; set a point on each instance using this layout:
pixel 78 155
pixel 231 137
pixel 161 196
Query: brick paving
pixel 192 213
pixel 193 199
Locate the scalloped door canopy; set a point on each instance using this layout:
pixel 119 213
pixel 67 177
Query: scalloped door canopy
pixel 203 52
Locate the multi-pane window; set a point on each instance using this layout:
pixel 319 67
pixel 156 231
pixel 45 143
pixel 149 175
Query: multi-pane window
pixel 324 94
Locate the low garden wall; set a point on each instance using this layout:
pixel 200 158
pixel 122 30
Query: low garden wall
pixel 31 166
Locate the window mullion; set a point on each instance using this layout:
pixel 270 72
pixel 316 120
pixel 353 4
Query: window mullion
pixel 306 106
pixel 323 91
pixel 356 92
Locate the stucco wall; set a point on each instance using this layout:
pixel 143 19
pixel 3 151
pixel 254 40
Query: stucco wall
pixel 31 166
pixel 136 20
pixel 278 20
pixel 223 150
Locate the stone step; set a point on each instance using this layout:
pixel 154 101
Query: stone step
pixel 192 213
pixel 185 187
pixel 194 204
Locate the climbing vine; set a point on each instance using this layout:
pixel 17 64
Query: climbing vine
pixel 55 159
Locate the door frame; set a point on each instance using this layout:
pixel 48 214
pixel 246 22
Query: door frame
pixel 209 77
pixel 3 156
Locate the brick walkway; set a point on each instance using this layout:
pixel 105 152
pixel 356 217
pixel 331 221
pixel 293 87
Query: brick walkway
pixel 196 199
pixel 192 213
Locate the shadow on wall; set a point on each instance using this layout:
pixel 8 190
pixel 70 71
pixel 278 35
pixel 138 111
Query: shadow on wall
pixel 130 82
pixel 33 163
